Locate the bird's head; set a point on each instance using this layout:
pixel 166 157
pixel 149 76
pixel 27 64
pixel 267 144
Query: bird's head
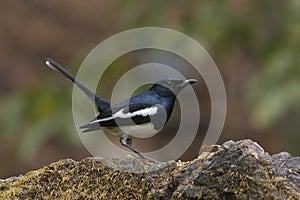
pixel 167 87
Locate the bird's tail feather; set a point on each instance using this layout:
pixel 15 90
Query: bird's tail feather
pixel 90 127
pixel 100 103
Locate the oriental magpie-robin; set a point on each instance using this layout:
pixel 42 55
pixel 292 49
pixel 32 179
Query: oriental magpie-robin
pixel 140 116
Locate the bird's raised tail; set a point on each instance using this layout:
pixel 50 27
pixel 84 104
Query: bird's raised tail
pixel 100 103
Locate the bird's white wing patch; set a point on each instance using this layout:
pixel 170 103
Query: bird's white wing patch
pixel 120 114
pixel 144 112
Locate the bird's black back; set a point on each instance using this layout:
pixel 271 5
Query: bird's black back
pixel 139 102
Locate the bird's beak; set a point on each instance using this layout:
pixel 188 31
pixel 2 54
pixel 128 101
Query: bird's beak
pixel 186 83
pixel 191 81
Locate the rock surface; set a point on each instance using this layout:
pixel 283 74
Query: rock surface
pixel 234 170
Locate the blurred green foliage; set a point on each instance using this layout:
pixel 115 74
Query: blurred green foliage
pixel 275 90
pixel 31 117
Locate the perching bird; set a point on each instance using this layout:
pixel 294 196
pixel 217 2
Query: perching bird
pixel 140 116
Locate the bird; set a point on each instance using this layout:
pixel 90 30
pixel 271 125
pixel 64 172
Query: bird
pixel 142 115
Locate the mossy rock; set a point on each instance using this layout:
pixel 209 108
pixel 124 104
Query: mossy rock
pixel 234 170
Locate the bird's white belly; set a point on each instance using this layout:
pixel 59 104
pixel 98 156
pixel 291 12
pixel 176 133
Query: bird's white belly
pixel 139 131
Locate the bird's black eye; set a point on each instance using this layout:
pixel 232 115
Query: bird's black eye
pixel 169 83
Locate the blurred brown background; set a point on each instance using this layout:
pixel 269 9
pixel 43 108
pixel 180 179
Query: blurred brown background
pixel 255 44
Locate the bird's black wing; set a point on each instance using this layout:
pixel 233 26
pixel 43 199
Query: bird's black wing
pixel 140 109
pixel 137 110
pixel 131 114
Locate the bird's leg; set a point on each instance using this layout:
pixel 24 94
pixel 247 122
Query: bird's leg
pixel 125 141
pixel 129 141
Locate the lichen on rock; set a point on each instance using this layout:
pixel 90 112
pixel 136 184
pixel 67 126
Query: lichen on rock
pixel 234 170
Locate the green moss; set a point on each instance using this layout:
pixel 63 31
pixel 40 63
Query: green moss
pixel 238 170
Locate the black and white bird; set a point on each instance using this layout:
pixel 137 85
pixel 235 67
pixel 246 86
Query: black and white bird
pixel 140 116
